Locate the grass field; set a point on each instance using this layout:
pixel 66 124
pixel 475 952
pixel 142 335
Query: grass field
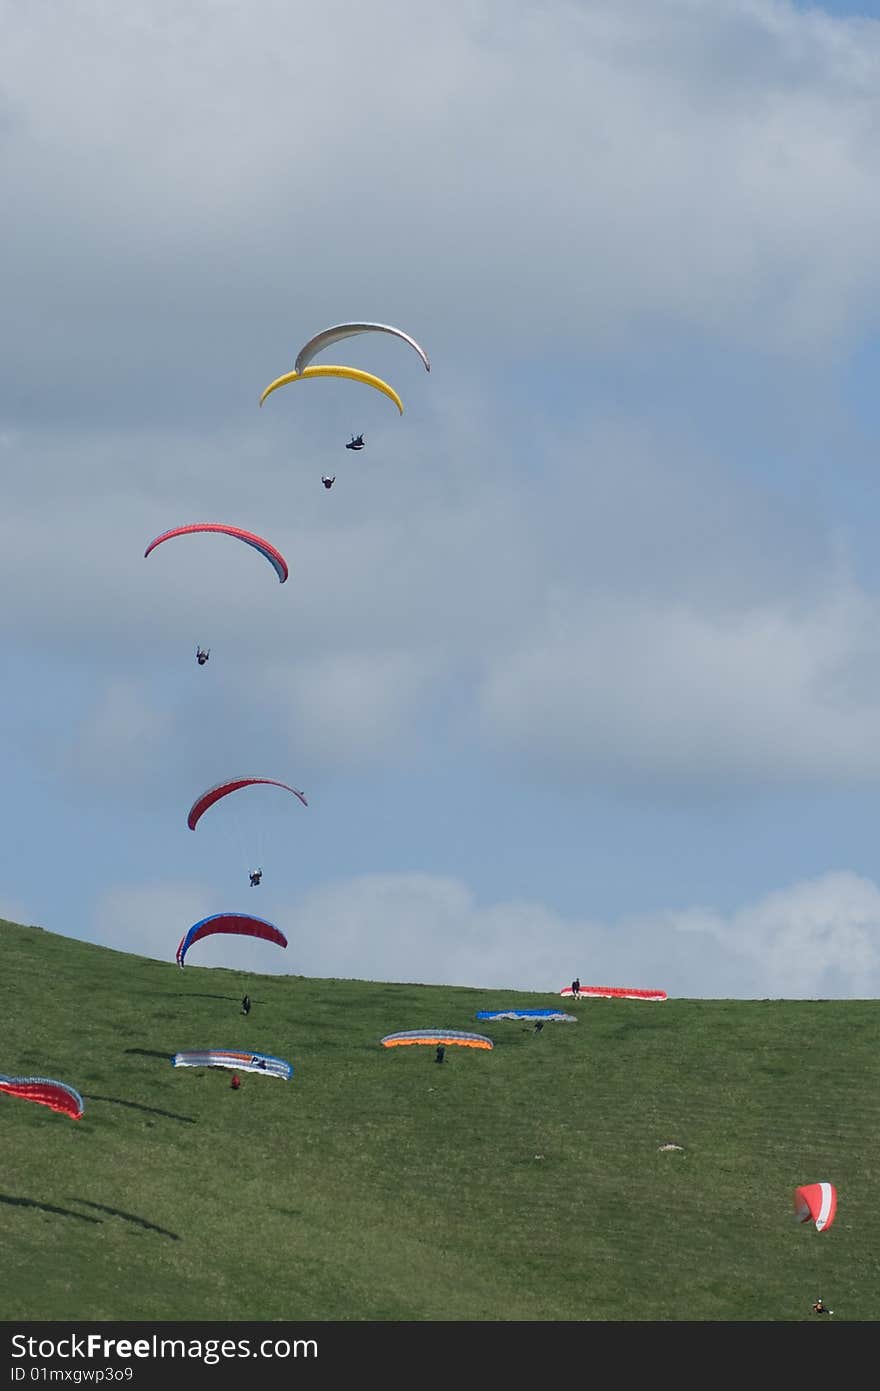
pixel 523 1183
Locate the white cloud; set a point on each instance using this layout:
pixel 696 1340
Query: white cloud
pixel 585 213
pixel 346 709
pixel 13 910
pixel 621 691
pixel 548 176
pixel 147 919
pixel 150 919
pixel 816 939
pixel 819 938
pixel 612 609
pixel 123 736
pixel 634 613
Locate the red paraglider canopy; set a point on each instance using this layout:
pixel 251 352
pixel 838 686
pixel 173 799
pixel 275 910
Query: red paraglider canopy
pixel 223 789
pixel 265 548
pixel 816 1203
pixel 616 992
pixel 242 924
pixel 58 1096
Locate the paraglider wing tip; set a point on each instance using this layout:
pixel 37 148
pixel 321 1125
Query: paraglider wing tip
pixel 279 381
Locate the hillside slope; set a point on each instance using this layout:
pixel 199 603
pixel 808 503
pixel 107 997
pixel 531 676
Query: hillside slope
pixel 523 1183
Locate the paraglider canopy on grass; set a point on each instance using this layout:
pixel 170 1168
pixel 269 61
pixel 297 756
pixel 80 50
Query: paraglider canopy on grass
pixel 58 1096
pixel 614 992
pixel 238 1062
pixel 434 1036
pixel 548 1014
pixel 816 1203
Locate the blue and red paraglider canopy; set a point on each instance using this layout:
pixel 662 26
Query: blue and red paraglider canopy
pixel 241 924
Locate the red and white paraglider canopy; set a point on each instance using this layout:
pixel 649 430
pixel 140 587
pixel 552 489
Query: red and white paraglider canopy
pixel 613 992
pixel 816 1203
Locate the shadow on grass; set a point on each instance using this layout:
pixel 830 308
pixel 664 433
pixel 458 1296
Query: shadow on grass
pixel 624 1028
pixel 200 995
pixel 127 1217
pixel 149 1053
pixel 47 1207
pixel 136 1106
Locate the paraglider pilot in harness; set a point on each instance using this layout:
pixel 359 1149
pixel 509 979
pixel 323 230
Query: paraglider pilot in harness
pixel 576 987
pixel 202 655
pixel 246 1005
pixel 328 482
pixel 357 442
pixel 255 877
pixel 440 1054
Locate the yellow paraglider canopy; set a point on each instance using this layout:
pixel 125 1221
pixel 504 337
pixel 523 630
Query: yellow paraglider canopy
pixel 353 373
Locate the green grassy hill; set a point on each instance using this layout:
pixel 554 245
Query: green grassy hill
pixel 525 1183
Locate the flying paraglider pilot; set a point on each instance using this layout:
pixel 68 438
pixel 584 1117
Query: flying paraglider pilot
pixel 246 1005
pixel 255 877
pixel 328 482
pixel 202 655
pixel 357 442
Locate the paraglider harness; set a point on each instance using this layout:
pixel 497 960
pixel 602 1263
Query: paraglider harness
pixel 328 482
pixel 246 1005
pixel 255 876
pixel 357 442
pixel 202 656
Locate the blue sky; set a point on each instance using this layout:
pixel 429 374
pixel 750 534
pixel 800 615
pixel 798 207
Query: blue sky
pixel 579 660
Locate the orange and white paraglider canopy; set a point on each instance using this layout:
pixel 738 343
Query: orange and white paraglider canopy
pixel 816 1203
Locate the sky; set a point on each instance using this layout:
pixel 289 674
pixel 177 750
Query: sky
pixel 578 663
